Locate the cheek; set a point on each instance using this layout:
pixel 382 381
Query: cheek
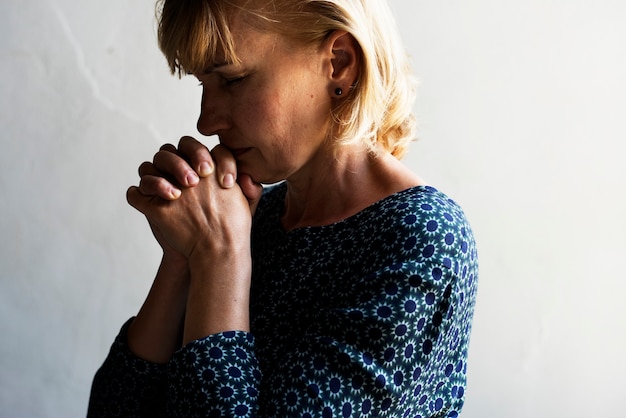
pixel 282 121
pixel 265 124
pixel 269 118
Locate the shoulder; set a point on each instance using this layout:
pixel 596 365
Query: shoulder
pixel 420 207
pixel 420 223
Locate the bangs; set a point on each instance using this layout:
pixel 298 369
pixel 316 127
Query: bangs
pixel 194 34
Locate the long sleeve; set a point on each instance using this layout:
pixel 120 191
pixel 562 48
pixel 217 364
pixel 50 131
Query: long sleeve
pixel 127 386
pixel 216 376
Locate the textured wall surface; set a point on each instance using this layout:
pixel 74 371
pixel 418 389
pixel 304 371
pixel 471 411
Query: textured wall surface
pixel 522 107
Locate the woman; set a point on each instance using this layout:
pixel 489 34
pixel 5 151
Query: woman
pixel 348 288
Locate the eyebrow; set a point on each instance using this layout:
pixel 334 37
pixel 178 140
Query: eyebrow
pixel 215 66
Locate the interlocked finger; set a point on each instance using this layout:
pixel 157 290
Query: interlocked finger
pixel 150 185
pixel 173 165
pixel 226 166
pixel 147 169
pixel 197 155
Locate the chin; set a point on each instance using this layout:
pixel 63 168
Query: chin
pixel 259 175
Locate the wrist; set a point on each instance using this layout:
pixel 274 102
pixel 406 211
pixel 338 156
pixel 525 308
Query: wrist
pixel 219 252
pixel 219 292
pixel 175 266
pixel 221 267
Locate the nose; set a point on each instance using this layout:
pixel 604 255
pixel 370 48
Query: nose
pixel 213 113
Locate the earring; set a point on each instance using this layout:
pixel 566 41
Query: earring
pixel 338 91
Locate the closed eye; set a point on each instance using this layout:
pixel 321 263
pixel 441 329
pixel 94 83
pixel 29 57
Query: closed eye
pixel 226 81
pixel 229 82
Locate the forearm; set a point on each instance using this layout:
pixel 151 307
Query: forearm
pixel 219 293
pixel 156 332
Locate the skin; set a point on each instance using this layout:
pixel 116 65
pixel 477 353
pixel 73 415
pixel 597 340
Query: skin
pixel 271 114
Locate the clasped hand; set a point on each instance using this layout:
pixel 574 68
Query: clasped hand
pixel 194 199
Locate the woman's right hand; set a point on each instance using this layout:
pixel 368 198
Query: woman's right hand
pixel 174 169
pixel 201 215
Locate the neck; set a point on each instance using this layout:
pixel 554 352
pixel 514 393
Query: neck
pixel 342 184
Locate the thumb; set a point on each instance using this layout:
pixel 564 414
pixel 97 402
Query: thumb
pixel 251 190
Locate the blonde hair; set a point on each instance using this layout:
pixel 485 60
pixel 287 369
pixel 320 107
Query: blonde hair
pixel 378 108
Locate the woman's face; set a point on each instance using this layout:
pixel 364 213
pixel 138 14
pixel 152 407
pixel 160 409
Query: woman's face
pixel 273 109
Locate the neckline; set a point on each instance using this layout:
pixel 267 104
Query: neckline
pixel 282 191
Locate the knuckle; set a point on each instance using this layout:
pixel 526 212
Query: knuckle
pixel 224 159
pixel 144 168
pixel 186 141
pixel 131 196
pixel 168 147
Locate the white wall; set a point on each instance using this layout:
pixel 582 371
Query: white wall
pixel 522 108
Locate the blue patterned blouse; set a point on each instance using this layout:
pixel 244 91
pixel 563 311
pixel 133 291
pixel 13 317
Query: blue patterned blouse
pixel 367 317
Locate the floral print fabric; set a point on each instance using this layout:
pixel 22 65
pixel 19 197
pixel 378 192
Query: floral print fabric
pixel 367 317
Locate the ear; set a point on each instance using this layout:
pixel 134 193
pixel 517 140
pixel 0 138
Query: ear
pixel 343 51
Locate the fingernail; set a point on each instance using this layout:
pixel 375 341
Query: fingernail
pixel 175 193
pixel 205 169
pixel 192 178
pixel 228 181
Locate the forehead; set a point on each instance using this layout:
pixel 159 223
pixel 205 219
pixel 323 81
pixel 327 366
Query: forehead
pixel 245 40
pixel 198 35
pixel 249 42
